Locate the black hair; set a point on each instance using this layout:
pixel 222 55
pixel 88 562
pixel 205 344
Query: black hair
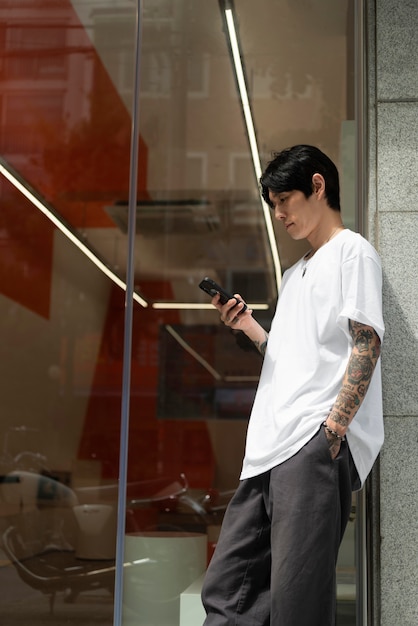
pixel 293 168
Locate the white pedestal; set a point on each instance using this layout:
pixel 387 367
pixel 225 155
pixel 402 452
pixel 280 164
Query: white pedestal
pixel 192 612
pixel 159 566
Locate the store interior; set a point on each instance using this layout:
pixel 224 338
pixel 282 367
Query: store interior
pixel 70 94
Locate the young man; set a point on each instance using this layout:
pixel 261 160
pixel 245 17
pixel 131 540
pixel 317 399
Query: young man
pixel 316 425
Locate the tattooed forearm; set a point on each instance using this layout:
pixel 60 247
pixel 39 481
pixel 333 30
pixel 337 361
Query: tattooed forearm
pixel 360 368
pixel 262 345
pixel 365 338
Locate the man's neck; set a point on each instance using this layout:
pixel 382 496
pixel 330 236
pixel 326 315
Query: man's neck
pixel 326 231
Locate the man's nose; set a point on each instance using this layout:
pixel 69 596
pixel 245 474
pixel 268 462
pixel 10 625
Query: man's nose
pixel 278 213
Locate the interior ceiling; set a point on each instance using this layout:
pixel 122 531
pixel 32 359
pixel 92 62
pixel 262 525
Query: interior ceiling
pixel 204 208
pixel 190 213
pixel 201 213
pixel 188 236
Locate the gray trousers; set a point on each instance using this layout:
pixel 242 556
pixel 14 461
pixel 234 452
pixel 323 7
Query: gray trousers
pixel 275 560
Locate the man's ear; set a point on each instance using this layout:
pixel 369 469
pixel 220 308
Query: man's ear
pixel 318 185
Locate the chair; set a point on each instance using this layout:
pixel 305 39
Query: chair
pixel 51 569
pixel 41 542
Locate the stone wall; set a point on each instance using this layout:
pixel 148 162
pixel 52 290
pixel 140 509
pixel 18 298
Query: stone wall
pixel 392 73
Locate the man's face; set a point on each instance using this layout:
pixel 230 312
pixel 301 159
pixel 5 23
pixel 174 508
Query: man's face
pixel 297 212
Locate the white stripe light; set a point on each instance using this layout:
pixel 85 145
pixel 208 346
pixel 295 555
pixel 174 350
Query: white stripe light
pixel 68 233
pixel 239 72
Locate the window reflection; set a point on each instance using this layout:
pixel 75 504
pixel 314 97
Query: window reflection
pixel 66 72
pixel 47 43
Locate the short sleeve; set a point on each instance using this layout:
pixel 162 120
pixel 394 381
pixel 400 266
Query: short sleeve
pixel 361 290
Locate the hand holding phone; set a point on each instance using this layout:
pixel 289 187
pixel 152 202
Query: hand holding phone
pixel 212 288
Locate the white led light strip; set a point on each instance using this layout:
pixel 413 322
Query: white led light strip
pixel 68 233
pixel 197 306
pixel 252 139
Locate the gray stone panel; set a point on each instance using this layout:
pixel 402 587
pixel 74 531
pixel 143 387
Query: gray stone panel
pixel 397 49
pixel 397 156
pixel 398 249
pixel 399 526
pixel 392 39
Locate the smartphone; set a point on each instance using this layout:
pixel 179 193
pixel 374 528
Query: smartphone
pixel 209 286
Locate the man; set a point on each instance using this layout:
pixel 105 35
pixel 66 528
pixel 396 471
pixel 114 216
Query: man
pixel 316 425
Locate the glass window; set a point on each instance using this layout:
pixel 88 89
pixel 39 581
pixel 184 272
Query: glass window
pixel 67 92
pixel 64 156
pixel 201 215
pixel 35 51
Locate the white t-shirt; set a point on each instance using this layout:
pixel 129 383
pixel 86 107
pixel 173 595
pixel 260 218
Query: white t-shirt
pixel 307 352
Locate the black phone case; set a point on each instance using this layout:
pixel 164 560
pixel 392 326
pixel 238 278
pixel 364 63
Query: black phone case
pixel 212 288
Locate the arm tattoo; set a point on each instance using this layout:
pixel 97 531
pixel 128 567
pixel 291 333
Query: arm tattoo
pixel 360 368
pixel 261 346
pixel 365 338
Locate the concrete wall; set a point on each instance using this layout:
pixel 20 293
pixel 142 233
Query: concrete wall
pixel 392 35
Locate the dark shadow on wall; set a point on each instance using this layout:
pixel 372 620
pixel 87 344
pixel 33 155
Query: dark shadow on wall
pixel 399 357
pixel 400 399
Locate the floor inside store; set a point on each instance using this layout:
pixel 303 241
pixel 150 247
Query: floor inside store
pixel 21 605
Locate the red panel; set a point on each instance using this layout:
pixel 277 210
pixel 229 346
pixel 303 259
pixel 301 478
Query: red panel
pixel 156 447
pixel 79 166
pixel 78 161
pixel 26 247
